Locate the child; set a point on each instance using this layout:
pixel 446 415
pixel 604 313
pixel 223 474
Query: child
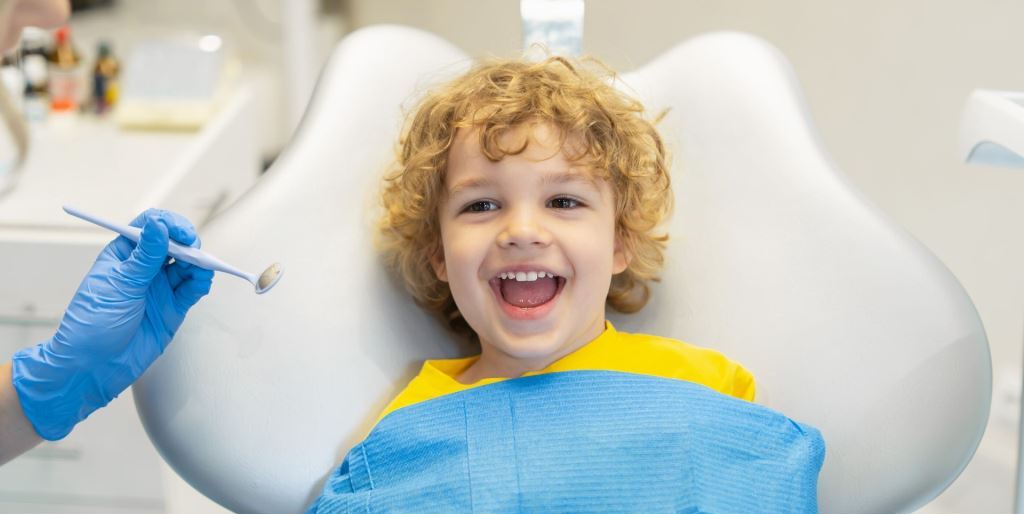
pixel 525 197
pixel 520 167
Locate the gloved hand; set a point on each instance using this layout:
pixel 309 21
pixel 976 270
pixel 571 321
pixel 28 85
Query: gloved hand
pixel 123 315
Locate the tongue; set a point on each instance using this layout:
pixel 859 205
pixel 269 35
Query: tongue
pixel 529 294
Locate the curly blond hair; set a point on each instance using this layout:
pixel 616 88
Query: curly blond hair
pixel 497 96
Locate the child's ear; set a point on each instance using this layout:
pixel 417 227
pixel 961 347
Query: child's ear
pixel 621 258
pixel 437 262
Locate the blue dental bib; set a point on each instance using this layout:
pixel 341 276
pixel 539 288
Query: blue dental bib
pixel 581 441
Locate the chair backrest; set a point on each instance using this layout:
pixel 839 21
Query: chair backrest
pixel 845 320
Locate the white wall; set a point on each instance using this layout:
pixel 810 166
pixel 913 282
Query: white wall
pixel 886 81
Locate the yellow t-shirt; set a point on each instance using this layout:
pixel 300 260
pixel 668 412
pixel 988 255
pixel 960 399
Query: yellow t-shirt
pixel 611 351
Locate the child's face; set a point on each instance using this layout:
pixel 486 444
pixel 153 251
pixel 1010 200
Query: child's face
pixel 517 215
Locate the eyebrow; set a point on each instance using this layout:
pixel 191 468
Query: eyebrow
pixel 564 177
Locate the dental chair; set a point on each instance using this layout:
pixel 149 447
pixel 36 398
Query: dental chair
pixel 846 321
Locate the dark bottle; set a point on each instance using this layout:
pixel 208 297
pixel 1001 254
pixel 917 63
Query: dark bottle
pixel 104 79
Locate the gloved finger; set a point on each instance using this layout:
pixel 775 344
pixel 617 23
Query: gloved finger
pixel 196 286
pixel 140 220
pixel 121 247
pixel 145 261
pixel 179 229
pixel 178 226
pixel 178 272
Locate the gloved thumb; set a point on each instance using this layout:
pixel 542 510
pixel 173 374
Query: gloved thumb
pixel 149 255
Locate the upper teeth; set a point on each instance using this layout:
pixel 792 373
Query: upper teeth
pixel 525 276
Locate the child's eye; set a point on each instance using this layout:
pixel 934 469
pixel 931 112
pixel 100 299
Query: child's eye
pixel 565 202
pixel 475 206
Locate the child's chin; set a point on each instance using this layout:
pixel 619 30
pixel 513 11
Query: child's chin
pixel 537 347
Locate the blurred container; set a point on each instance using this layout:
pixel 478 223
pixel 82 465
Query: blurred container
pixel 65 73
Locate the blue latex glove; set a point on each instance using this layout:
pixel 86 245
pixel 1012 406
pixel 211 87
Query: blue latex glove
pixel 123 315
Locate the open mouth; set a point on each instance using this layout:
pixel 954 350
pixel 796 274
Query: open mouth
pixel 527 300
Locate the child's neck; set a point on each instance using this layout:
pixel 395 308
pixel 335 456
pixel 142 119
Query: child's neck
pixel 494 363
pixel 485 368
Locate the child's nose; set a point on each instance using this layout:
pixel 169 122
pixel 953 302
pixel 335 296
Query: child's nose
pixel 524 228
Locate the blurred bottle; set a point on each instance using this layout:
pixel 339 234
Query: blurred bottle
pixel 104 79
pixel 34 43
pixel 65 78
